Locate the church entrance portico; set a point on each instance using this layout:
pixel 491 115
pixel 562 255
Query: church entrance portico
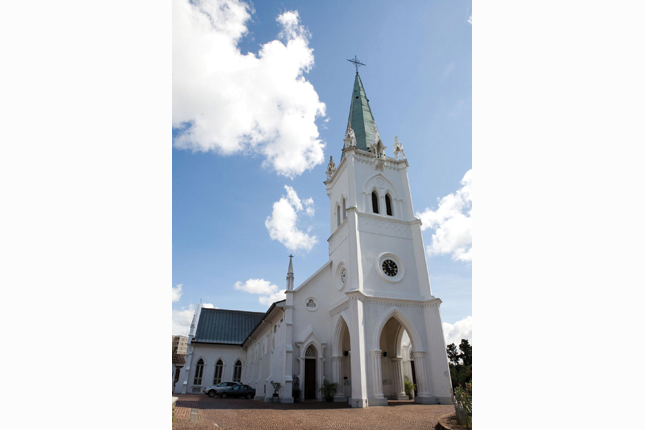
pixel 387 360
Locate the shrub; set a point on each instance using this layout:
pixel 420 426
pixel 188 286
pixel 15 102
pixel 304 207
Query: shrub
pixel 409 386
pixel 276 387
pixel 328 389
pixel 463 401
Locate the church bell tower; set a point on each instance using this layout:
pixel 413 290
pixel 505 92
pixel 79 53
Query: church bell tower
pixel 380 285
pixel 370 203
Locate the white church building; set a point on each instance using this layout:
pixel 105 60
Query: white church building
pixel 365 320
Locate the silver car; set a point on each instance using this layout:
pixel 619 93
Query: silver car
pixel 214 390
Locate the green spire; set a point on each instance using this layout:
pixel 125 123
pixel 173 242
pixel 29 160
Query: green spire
pixel 360 116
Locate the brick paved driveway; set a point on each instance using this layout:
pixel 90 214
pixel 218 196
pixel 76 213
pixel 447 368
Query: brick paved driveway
pixel 239 414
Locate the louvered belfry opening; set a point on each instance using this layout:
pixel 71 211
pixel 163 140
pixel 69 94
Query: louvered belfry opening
pixel 388 205
pixel 374 202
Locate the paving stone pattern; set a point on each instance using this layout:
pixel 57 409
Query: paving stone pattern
pixel 239 414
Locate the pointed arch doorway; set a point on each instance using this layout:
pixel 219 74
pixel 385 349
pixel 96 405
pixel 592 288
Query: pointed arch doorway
pixel 388 359
pixel 310 373
pixel 341 360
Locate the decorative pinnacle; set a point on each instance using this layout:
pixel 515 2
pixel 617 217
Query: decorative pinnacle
pixel 356 63
pixel 290 271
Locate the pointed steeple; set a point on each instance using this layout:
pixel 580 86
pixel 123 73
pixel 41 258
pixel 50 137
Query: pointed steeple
pixel 360 116
pixel 290 274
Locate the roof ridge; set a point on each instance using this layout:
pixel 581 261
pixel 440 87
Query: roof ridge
pixel 232 310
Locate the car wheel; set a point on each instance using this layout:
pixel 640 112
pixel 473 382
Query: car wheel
pixel 223 395
pixel 248 396
pixel 211 393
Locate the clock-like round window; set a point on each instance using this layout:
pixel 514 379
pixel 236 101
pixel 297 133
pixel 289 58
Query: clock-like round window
pixel 390 268
pixel 340 280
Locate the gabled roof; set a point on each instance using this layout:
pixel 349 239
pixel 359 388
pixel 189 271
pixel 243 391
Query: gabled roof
pixel 360 116
pixel 225 326
pixel 280 304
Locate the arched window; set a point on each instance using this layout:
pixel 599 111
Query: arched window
pixel 311 352
pixel 237 372
pixel 338 216
pixel 374 202
pixel 218 372
pixel 199 371
pixel 344 210
pixel 388 205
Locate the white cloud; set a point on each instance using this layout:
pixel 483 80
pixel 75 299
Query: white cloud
pixel 176 293
pixel 181 320
pixel 453 333
pixel 230 103
pixel 256 286
pixel 282 222
pixel 470 20
pixel 268 292
pixel 452 223
pixel 309 207
pixel 276 297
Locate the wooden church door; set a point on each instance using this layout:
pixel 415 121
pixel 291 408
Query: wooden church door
pixel 310 379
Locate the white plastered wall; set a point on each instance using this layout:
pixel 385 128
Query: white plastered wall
pixel 210 353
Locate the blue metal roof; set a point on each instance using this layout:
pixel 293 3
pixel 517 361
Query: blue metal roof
pixel 225 326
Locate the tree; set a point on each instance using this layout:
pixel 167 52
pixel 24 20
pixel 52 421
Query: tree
pixel 460 362
pixel 453 354
pixel 466 352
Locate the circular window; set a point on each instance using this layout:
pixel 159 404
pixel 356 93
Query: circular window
pixel 311 304
pixel 341 277
pixel 389 267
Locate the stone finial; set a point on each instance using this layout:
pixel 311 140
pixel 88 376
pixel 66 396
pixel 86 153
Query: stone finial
pixel 375 135
pixel 331 168
pixel 398 149
pixel 376 145
pixel 350 137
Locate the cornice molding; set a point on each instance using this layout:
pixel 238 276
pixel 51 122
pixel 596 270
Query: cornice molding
pixel 364 157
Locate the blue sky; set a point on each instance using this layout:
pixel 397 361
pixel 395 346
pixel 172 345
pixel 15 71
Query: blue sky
pixel 225 181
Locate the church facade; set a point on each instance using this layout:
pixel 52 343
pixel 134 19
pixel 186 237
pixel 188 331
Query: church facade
pixel 366 319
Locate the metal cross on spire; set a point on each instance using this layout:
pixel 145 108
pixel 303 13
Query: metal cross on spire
pixel 356 63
